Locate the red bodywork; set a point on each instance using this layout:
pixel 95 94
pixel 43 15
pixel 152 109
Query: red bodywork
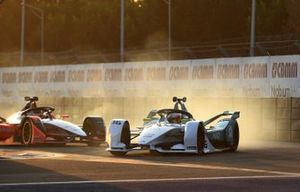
pixel 10 131
pixel 7 131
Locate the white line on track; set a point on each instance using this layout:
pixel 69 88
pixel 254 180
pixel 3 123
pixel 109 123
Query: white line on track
pixel 153 180
pixel 195 165
pixel 17 155
pixel 102 159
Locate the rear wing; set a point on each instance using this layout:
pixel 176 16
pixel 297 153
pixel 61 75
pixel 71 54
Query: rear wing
pixel 234 115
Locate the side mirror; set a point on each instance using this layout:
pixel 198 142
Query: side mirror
pixel 27 98
pixel 175 99
pixel 184 99
pixel 35 98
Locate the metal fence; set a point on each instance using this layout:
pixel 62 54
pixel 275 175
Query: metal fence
pixel 178 52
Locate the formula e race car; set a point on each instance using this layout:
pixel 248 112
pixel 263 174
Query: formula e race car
pixel 34 125
pixel 175 131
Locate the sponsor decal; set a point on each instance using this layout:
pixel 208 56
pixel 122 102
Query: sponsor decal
pixel 228 71
pixel 203 72
pixel 252 92
pixel 255 71
pixel 41 77
pixel 116 122
pixel 284 70
pixel 76 76
pixel 191 147
pixel 156 73
pixel 9 77
pixel 179 73
pixel 278 91
pixel 113 75
pixel 57 76
pixel 25 77
pixel 94 75
pixel 134 74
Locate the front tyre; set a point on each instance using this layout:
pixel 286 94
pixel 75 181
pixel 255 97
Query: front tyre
pixel 125 138
pixel 26 132
pixel 200 138
pixel 232 135
pixel 125 134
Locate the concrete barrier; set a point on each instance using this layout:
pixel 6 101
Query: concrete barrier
pixel 261 118
pixel 295 120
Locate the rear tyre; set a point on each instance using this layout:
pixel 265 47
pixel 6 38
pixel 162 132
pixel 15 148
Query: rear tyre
pixel 26 132
pixel 94 128
pixel 125 135
pixel 232 135
pixel 200 138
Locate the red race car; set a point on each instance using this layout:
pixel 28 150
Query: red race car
pixel 33 125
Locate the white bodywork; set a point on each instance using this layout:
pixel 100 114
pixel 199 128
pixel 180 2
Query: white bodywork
pixel 66 126
pixel 114 137
pixel 16 118
pixel 149 135
pixel 183 138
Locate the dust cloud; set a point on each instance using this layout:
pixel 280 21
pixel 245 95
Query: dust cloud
pixel 256 122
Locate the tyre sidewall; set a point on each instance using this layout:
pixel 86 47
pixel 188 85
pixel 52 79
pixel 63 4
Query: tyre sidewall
pixel 26 132
pixel 232 141
pixel 200 138
pixel 125 135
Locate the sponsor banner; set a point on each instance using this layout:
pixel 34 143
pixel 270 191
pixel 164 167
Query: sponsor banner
pixel 276 76
pixel 284 76
pixel 254 80
pixel 203 77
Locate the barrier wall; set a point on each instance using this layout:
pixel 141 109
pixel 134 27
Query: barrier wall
pixel 230 77
pixel 264 89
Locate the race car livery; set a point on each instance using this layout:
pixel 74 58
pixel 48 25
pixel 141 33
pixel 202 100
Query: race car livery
pixel 33 125
pixel 175 131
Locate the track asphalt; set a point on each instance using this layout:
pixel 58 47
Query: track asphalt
pixel 256 166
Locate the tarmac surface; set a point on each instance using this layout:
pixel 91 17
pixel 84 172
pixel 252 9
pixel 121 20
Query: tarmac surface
pixel 256 166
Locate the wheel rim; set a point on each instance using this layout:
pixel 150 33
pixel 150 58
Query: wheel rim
pixel 26 133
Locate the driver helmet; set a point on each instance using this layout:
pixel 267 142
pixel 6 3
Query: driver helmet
pixel 174 118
